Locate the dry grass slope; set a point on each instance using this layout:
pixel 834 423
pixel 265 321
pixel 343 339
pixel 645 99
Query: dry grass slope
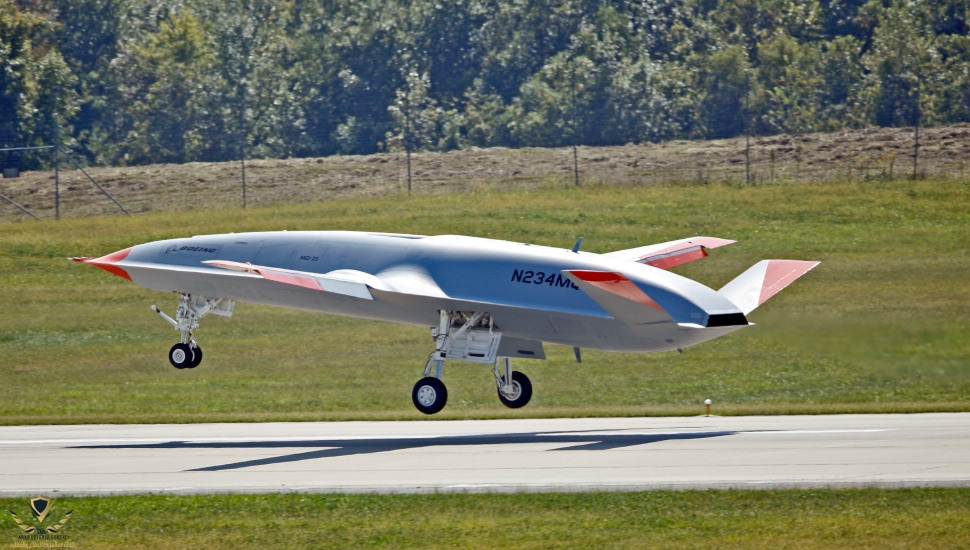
pixel 858 155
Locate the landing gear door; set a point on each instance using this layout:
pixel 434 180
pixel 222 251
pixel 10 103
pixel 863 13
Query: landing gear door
pixel 223 307
pixel 517 347
pixel 474 345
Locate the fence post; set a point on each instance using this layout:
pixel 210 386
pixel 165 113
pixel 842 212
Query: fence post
pixel 916 133
pixel 407 132
pixel 242 143
pixel 57 175
pixel 747 130
pixel 575 130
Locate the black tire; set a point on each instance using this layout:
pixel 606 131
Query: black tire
pixel 180 356
pixel 429 395
pixel 196 357
pixel 524 386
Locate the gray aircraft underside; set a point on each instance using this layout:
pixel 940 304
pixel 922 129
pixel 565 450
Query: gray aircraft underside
pixel 513 294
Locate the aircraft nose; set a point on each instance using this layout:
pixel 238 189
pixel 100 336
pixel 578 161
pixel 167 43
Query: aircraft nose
pixel 108 262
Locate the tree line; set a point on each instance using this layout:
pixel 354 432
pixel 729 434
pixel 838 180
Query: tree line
pixel 126 82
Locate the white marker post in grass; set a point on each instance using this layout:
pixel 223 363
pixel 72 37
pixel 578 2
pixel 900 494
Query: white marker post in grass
pixel 707 403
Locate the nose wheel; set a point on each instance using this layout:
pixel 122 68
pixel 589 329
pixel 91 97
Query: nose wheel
pixel 187 354
pixel 429 395
pixel 183 356
pixel 196 357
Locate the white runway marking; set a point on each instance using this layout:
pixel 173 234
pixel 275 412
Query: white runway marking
pixel 489 456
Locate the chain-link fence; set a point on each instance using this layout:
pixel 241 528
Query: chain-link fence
pixel 853 155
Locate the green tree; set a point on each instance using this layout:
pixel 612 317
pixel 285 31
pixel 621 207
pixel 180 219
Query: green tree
pixel 419 123
pixel 17 32
pixel 789 73
pixel 36 85
pixel 902 63
pixel 255 99
pixel 89 34
pixel 729 89
pixel 167 80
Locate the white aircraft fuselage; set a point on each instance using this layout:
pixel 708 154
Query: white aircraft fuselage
pixel 526 294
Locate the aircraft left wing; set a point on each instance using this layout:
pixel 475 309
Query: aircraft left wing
pixel 347 282
pixel 670 254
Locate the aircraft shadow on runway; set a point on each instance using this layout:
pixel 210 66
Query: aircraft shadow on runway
pixel 596 441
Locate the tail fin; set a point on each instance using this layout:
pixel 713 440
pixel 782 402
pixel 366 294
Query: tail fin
pixel 762 281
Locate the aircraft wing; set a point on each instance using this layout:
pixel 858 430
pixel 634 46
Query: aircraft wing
pixel 406 279
pixel 670 254
pixel 345 281
pixel 619 296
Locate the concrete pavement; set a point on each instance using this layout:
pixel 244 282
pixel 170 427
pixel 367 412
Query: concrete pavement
pixel 489 456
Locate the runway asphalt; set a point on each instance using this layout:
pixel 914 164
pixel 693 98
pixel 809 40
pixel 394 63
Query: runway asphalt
pixel 585 454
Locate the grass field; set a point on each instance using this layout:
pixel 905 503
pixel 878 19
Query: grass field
pixel 877 519
pixel 880 325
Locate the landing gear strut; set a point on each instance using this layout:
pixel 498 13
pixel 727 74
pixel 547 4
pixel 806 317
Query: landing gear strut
pixel 187 354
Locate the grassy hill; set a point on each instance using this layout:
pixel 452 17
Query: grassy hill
pixel 881 325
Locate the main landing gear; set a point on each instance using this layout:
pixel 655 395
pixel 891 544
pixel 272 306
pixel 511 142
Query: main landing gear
pixel 187 354
pixel 464 336
pixel 516 394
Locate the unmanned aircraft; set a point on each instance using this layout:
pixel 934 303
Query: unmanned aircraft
pixel 486 301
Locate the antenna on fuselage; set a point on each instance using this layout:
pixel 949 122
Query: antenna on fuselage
pixel 579 243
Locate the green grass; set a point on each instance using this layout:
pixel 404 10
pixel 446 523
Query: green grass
pixel 881 325
pixel 871 518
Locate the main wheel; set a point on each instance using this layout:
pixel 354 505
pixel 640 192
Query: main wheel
pixel 180 356
pixel 196 357
pixel 521 391
pixel 429 395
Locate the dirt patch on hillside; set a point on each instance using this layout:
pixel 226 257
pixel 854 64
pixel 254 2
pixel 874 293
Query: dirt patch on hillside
pixel 853 155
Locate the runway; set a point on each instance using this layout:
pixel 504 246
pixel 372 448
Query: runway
pixel 588 454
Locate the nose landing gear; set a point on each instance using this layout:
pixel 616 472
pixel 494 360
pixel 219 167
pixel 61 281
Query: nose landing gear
pixel 187 354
